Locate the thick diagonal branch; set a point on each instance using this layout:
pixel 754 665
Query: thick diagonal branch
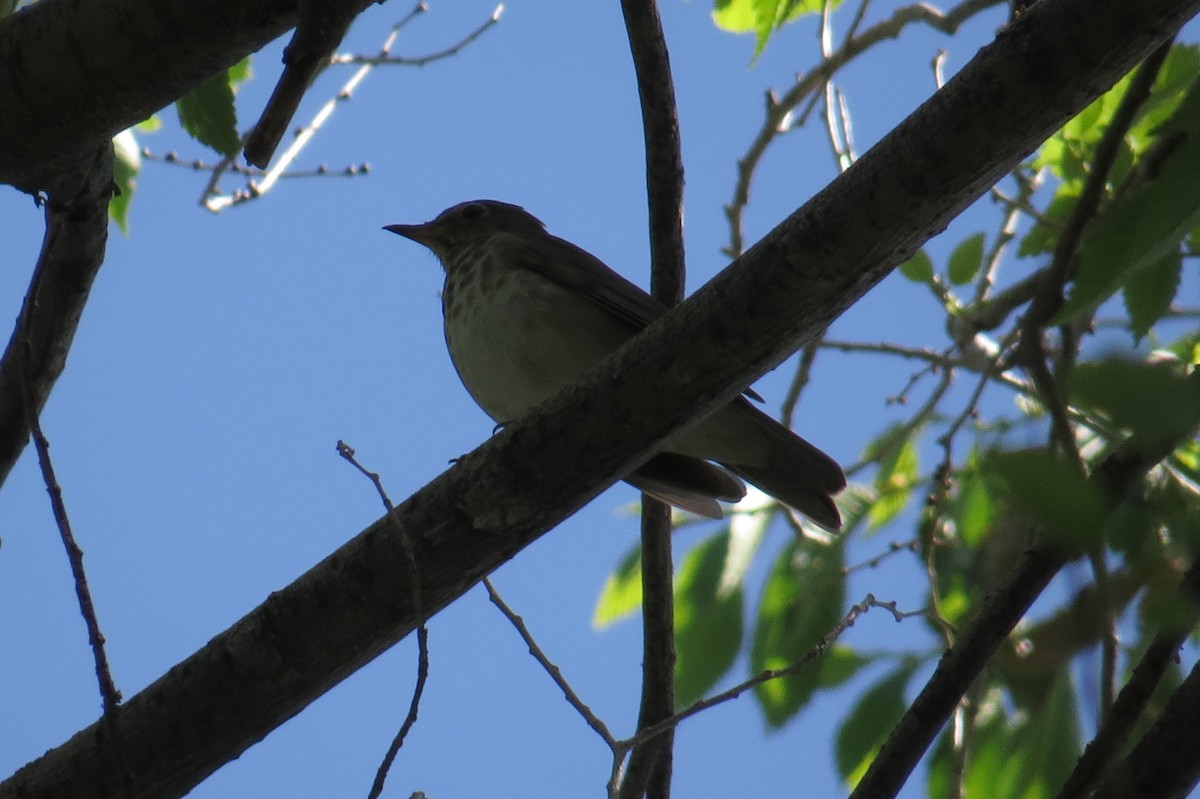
pixel 345 611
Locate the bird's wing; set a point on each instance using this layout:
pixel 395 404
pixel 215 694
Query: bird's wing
pixel 576 268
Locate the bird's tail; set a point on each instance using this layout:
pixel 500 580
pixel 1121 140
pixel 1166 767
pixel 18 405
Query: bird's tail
pixel 688 483
pixel 798 474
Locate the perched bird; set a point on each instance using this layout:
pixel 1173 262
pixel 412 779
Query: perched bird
pixel 526 313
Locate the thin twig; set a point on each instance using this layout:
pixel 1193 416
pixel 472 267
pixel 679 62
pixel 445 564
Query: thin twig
pixel 780 110
pixel 551 669
pixel 216 202
pixel 385 59
pixel 795 667
pixel 414 580
pixel 26 367
pixel 172 158
pixel 808 357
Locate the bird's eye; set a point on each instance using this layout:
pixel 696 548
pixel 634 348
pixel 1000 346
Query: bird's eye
pixel 472 211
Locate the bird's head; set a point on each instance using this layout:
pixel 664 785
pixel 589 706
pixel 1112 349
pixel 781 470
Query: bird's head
pixel 469 222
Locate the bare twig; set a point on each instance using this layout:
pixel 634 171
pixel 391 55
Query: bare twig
pixel 34 359
pixel 808 357
pixel 72 251
pixel 216 202
pixel 410 718
pixel 551 669
pixel 108 689
pixel 385 58
pixel 172 158
pixel 818 649
pixel 781 109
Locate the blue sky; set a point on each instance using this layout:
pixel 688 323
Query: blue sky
pixel 221 357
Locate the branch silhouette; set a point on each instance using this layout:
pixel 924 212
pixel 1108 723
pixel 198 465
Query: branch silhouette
pixel 496 500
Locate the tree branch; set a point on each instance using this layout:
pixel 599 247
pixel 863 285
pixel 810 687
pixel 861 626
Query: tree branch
pixel 649 769
pixel 1164 764
pixel 496 500
pixel 62 54
pixel 1001 611
pixel 72 251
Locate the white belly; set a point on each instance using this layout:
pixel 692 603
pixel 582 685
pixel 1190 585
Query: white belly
pixel 513 354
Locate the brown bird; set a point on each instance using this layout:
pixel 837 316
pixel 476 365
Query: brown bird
pixel 526 313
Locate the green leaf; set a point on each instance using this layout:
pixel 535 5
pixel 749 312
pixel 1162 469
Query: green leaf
pixel 991 742
pixel 708 620
pixel 1175 79
pixel 762 17
pixel 127 164
pixel 1043 236
pixel 1054 494
pixel 151 124
pixel 976 510
pixel 802 600
pixel 874 715
pixel 240 72
pixel 735 16
pixel 1046 746
pixel 1186 348
pixel 966 259
pixel 1148 292
pixel 894 482
pixel 1137 231
pixel 208 115
pixel 919 268
pixel 1154 401
pixel 622 591
pixel 840 664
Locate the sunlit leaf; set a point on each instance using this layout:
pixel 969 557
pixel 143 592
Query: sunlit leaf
pixel 126 165
pixel 746 532
pixel 1186 348
pixel 895 480
pixel 1138 230
pixel 151 124
pixel 621 594
pixel 240 72
pixel 762 17
pixel 708 620
pixel 1174 80
pixel 803 600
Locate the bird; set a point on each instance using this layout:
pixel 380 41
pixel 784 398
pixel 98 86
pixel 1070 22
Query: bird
pixel 527 313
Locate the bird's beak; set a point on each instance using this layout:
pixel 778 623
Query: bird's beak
pixel 417 233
